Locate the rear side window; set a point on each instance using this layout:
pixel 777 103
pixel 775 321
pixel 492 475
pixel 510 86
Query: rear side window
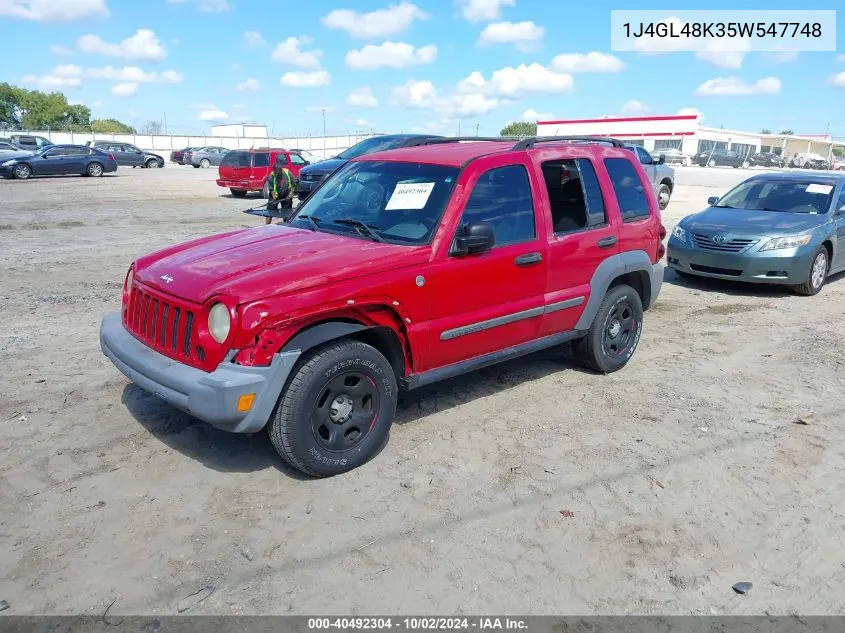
pixel 502 197
pixel 629 189
pixel 236 159
pixel 261 159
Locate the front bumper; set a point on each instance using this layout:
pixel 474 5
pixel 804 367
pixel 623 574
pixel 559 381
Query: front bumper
pixel 304 188
pixel 6 172
pixel 789 266
pixel 211 397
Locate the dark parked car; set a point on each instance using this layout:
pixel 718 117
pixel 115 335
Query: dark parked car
pixel 766 159
pixel 178 156
pixel 722 158
pixel 774 228
pixel 127 155
pixel 312 175
pixel 57 160
pixel 28 142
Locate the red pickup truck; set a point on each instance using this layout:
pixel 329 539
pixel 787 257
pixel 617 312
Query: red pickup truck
pixel 403 268
pixel 242 171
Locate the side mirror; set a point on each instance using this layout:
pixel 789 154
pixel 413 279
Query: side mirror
pixel 661 159
pixel 712 200
pixel 307 162
pixel 476 238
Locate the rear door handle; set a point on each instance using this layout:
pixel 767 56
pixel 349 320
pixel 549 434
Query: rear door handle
pixel 607 242
pixel 528 259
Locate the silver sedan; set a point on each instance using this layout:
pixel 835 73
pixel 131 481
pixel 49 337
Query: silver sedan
pixel 206 157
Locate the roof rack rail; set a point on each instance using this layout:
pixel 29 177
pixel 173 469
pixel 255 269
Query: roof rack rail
pixel 528 143
pixel 457 139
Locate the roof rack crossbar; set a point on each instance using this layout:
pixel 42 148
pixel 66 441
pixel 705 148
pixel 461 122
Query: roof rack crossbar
pixel 528 143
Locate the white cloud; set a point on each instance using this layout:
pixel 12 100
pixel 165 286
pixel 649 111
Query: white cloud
pixel 838 80
pixel 781 57
pixel 60 50
pixel 483 10
pixel 390 55
pixel 254 38
pixel 724 53
pixel 290 53
pixel 144 45
pixel 250 85
pixel 306 80
pixel 524 35
pixel 46 82
pixel 593 62
pixel 96 104
pixel 841 58
pixel 533 115
pixel 125 89
pixel 393 20
pixel 634 107
pixel 512 82
pixel 362 98
pixel 363 123
pixel 212 114
pixel 422 95
pixel 54 10
pixel 209 6
pixel 654 44
pixel 734 86
pixel 686 111
pixel 127 74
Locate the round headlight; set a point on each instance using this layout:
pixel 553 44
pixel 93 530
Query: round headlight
pixel 219 322
pixel 129 280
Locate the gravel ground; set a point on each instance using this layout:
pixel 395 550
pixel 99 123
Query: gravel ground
pixel 531 488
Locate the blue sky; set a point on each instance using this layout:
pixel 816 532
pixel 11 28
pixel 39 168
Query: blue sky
pixel 399 65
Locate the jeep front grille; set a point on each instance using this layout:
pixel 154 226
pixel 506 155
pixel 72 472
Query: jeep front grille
pixel 159 322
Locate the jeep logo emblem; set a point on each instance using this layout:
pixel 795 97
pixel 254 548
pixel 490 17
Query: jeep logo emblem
pixel 719 239
pixel 166 278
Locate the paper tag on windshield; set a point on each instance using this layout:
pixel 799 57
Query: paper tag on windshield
pixel 815 188
pixel 409 195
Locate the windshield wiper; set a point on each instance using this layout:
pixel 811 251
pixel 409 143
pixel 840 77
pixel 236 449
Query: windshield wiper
pixel 371 230
pixel 314 222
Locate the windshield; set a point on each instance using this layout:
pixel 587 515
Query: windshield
pixel 370 145
pixel 401 202
pixel 787 196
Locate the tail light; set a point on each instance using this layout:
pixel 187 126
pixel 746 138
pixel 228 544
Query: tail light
pixel 661 249
pixel 111 156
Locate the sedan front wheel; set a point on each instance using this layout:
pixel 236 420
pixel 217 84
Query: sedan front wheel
pixel 22 171
pixel 817 274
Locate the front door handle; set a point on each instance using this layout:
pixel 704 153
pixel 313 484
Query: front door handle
pixel 528 259
pixel 607 242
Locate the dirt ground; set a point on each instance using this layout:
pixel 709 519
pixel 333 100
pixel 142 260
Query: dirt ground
pixel 531 488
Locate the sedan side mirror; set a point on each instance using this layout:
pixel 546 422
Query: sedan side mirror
pixel 476 238
pixel 661 159
pixel 307 162
pixel 712 200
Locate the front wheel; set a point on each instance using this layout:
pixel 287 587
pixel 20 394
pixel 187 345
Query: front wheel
pixel 711 163
pixel 205 163
pixel 819 267
pixel 238 193
pixel 152 164
pixel 22 171
pixel 615 332
pixel 95 170
pixel 663 195
pixel 337 410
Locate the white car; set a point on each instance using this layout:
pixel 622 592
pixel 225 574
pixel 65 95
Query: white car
pixel 809 160
pixel 673 156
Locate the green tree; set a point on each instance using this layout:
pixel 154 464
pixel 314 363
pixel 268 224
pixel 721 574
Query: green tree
pixel 111 126
pixel 839 151
pixel 787 132
pixel 9 107
pixel 519 128
pixel 765 130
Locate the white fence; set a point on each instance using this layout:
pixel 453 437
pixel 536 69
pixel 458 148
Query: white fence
pixel 320 146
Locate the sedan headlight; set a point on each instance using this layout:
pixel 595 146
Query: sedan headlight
pixel 679 233
pixel 9 163
pixel 219 322
pixel 794 241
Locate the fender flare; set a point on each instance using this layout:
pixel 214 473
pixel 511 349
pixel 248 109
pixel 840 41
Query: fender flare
pixel 321 333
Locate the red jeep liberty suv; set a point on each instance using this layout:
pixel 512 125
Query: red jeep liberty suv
pixel 245 170
pixel 403 268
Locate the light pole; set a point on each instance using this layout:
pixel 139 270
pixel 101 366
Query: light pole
pixel 324 123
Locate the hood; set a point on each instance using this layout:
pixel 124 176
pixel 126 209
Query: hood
pixel 260 262
pixel 151 155
pixel 739 221
pixel 323 167
pixel 4 156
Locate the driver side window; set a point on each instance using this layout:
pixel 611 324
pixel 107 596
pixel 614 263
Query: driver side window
pixel 296 159
pixel 53 153
pixel 645 157
pixel 502 198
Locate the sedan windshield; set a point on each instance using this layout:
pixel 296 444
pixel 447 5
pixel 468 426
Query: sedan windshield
pixel 787 196
pixel 370 145
pixel 381 200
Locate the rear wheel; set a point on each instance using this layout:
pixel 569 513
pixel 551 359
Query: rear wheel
pixel 205 163
pixel 95 170
pixel 819 266
pixel 615 332
pixel 663 195
pixel 238 193
pixel 337 409
pixel 22 171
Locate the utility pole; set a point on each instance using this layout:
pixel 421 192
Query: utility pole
pixel 476 128
pixel 165 123
pixel 459 128
pixel 324 123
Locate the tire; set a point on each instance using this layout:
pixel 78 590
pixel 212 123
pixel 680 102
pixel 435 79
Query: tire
pixel 152 164
pixel 816 275
pixel 238 193
pixel 22 171
pixel 205 163
pixel 603 352
pixel 711 163
pixel 95 170
pixel 195 166
pixel 332 382
pixel 745 164
pixel 663 196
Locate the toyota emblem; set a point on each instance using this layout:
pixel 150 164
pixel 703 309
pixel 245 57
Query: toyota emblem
pixel 719 239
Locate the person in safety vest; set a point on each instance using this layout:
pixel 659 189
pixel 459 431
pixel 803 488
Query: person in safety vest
pixel 281 186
